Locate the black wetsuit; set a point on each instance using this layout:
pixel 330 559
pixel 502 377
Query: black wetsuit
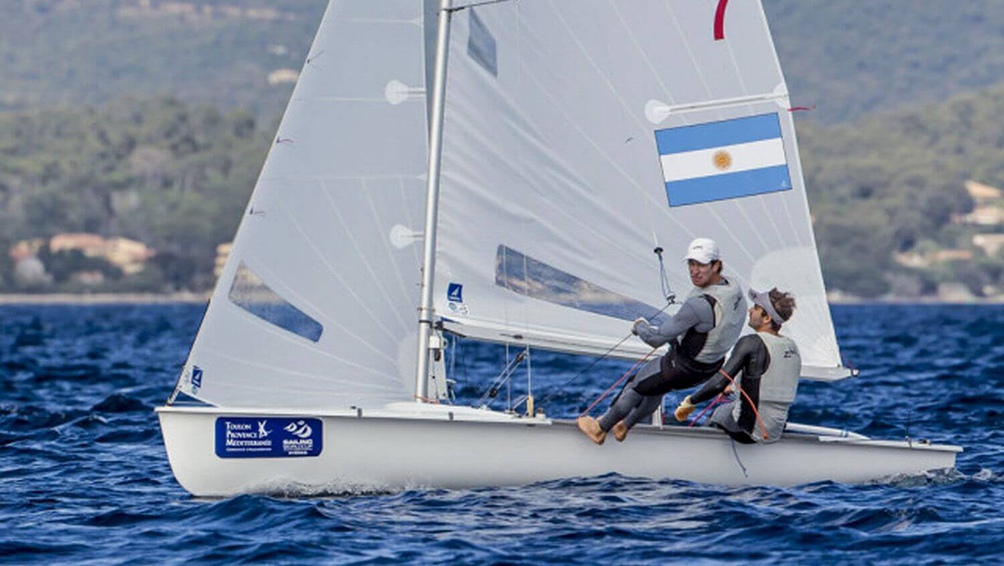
pixel 679 369
pixel 693 332
pixel 751 357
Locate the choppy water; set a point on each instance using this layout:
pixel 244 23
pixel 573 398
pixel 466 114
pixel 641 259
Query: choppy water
pixel 84 478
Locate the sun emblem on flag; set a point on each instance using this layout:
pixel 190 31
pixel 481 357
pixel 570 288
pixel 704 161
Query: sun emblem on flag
pixel 722 160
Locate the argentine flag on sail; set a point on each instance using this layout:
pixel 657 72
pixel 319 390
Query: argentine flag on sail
pixel 723 160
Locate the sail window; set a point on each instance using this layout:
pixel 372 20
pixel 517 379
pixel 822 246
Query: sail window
pixel 250 293
pixel 481 45
pixel 527 276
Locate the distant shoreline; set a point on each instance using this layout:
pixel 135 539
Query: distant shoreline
pixel 196 298
pixel 101 298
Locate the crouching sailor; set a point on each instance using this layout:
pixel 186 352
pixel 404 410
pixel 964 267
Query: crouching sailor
pixel 765 368
pixel 698 335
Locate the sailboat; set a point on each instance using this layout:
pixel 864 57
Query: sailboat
pixel 510 171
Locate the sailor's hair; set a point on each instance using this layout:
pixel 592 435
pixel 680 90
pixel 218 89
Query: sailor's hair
pixel 784 304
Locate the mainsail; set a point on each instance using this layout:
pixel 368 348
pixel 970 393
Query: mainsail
pixel 316 304
pixel 582 135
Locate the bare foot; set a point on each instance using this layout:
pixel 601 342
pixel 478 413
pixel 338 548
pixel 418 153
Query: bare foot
pixel 591 428
pixel 620 431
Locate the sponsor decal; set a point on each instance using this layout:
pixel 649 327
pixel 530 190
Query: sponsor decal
pixel 455 298
pixel 458 308
pixel 268 437
pixel 196 379
pixel 455 293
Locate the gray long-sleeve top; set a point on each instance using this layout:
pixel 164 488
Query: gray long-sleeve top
pixel 696 313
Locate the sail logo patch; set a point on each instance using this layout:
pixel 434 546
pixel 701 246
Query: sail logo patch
pixel 455 299
pixel 196 379
pixel 455 293
pixel 268 437
pixel 722 160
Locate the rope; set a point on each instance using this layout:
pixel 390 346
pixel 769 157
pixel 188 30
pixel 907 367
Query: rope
pixel 738 460
pixel 589 367
pixel 616 383
pixel 602 357
pixel 715 401
pixel 763 429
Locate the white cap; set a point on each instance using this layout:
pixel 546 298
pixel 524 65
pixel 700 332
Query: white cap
pixel 702 250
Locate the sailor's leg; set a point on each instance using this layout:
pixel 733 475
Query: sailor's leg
pixel 644 410
pixel 671 378
pixel 627 401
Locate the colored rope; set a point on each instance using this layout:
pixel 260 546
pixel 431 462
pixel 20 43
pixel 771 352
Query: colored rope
pixel 763 429
pixel 615 383
pixel 715 401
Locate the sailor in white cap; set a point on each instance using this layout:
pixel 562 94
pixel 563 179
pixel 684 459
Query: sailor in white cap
pixel 699 335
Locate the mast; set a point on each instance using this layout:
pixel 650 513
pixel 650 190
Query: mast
pixel 432 201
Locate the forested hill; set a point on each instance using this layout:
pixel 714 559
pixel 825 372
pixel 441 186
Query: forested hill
pixel 149 119
pixel 847 57
pixel 92 52
pixel 853 57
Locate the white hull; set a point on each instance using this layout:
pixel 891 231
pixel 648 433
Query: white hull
pixel 412 445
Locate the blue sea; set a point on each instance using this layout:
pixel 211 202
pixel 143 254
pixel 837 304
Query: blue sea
pixel 84 478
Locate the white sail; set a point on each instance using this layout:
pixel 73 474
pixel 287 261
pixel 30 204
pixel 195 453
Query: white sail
pixel 580 135
pixel 316 304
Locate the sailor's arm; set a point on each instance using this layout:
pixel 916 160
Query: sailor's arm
pixel 756 365
pixel 743 354
pixel 691 314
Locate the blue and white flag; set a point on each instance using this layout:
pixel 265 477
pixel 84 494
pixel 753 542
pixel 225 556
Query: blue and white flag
pixel 723 160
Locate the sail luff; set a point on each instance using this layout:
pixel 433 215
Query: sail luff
pixel 425 314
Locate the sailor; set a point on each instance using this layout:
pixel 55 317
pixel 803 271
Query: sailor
pixel 765 367
pixel 699 335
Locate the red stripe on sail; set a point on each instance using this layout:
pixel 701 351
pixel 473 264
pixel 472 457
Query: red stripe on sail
pixel 720 19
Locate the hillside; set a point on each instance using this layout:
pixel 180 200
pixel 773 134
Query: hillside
pixel 153 124
pixel 221 52
pixel 854 57
pixel 847 57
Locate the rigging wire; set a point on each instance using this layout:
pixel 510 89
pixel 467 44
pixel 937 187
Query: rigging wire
pixel 667 291
pixel 603 356
pixel 562 386
pixel 529 384
pixel 616 383
pixel 503 377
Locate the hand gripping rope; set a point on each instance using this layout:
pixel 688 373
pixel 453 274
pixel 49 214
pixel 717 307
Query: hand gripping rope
pixel 671 299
